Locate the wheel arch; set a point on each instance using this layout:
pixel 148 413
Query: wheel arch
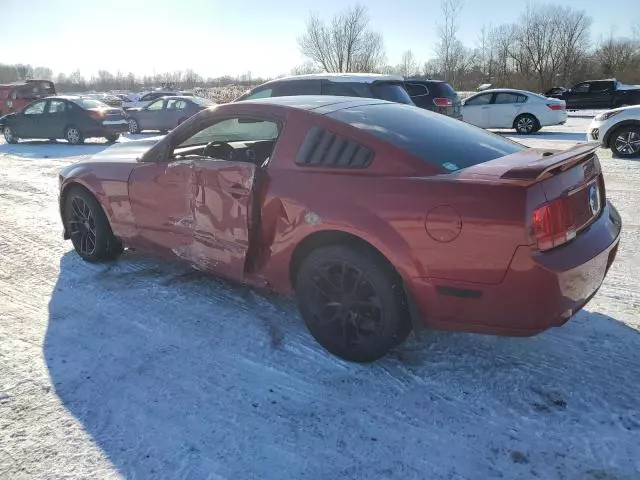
pixel 522 114
pixel 606 141
pixel 323 238
pixel 64 191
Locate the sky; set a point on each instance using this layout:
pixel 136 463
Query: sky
pixel 220 37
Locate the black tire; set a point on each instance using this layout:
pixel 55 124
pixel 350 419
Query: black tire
pixel 73 135
pixel 525 124
pixel 363 297
pixel 134 126
pixel 113 138
pixel 625 141
pixel 9 136
pixel 88 227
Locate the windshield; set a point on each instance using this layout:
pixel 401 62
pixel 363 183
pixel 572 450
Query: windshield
pixel 393 92
pixel 202 102
pixel 436 139
pixel 89 103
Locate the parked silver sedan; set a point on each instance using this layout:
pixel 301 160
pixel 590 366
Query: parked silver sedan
pixel 165 113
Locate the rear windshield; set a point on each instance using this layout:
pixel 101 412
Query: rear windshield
pixel 436 139
pixel 89 103
pixel 446 90
pixel 393 92
pixel 202 102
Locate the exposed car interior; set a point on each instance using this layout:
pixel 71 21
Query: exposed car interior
pixel 232 140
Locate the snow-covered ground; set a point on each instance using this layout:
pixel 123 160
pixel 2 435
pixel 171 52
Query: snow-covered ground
pixel 143 369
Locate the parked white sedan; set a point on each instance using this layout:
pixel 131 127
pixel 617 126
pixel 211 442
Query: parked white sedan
pixel 526 112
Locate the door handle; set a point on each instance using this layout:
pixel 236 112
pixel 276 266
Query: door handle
pixel 485 108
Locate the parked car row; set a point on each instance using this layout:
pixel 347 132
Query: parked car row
pixel 75 118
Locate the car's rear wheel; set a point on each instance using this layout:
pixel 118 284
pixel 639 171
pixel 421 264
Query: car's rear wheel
pixel 352 303
pixel 73 135
pixel 625 142
pixel 525 123
pixel 134 126
pixel 10 136
pixel 88 227
pixel 113 138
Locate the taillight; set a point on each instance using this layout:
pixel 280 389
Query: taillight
pixel 443 102
pixel 555 106
pixel 96 114
pixel 554 224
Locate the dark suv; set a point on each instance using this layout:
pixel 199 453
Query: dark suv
pixel 367 85
pixel 435 95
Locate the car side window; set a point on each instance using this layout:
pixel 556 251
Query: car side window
pixel 263 93
pixel 600 86
pixel 57 106
pixel 480 100
pixel 508 98
pixel 234 130
pixel 347 89
pixel 297 87
pixel 176 104
pixel 581 88
pixel 416 89
pixel 157 105
pixel 36 108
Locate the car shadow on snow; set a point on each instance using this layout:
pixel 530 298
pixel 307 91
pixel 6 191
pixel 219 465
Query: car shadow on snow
pixel 176 374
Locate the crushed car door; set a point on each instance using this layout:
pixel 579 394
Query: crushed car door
pixel 224 192
pixel 161 196
pixel 230 151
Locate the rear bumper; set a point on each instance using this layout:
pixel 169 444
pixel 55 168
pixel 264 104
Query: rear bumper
pixel 539 290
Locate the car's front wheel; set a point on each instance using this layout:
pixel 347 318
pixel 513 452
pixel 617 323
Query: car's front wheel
pixel 134 127
pixel 88 227
pixel 625 142
pixel 73 135
pixel 352 303
pixel 9 135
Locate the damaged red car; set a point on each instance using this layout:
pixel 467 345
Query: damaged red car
pixel 380 217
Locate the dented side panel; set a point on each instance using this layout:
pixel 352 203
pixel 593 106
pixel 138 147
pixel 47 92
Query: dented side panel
pixel 222 205
pixel 161 197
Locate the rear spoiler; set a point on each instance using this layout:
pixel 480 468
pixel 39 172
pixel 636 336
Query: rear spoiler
pixel 552 161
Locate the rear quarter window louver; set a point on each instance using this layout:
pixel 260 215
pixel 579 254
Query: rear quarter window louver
pixel 322 148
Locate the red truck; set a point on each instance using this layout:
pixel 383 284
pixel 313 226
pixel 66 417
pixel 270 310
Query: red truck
pixel 15 96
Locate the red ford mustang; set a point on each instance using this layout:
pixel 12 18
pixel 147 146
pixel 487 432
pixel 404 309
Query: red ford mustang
pixel 380 217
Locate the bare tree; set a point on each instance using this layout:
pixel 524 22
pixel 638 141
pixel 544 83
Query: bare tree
pixel 617 55
pixel 346 44
pixel 306 68
pixel 408 65
pixel 450 49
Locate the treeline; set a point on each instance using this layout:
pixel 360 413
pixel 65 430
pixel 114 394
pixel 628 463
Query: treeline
pixel 549 45
pixel 107 81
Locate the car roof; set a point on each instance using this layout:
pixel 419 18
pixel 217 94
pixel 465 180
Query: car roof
pixel 318 103
pixel 423 79
pixel 342 77
pixel 505 90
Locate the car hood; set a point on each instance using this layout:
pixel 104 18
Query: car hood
pixel 125 152
pixel 6 117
